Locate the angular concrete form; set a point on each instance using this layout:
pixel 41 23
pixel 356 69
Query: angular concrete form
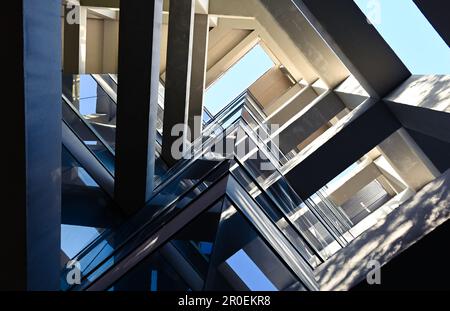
pixel 399 230
pixel 422 104
pixel 340 146
pixel 316 115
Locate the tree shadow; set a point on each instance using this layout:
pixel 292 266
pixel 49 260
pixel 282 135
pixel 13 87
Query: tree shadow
pixel 418 216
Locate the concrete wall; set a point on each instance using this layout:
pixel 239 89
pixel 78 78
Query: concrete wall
pixel 94 46
pixel 270 87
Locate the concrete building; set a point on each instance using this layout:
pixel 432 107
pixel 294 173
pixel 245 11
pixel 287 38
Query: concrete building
pixel 330 165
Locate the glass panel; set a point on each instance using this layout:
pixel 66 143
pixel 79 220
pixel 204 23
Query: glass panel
pixel 109 80
pixel 86 209
pixel 86 134
pixel 242 260
pixel 276 216
pixel 164 205
pixel 286 200
pixel 181 263
pixel 93 104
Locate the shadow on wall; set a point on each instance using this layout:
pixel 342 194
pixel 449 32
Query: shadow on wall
pixel 432 92
pixel 428 209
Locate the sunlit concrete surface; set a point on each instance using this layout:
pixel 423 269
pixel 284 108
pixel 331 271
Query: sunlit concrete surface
pixel 430 91
pixel 428 209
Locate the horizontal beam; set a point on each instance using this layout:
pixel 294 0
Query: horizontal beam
pixel 369 58
pixel 436 11
pixel 101 3
pixel 341 146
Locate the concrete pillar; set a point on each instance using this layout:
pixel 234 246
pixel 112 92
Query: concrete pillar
pixel 110 46
pixel 373 63
pixel 322 59
pixel 139 51
pixel 178 78
pixel 75 38
pixel 31 195
pixel 198 74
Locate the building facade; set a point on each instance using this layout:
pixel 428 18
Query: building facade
pixel 220 145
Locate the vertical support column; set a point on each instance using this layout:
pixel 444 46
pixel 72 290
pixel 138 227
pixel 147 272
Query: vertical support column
pixel 75 38
pixel 178 79
pixel 139 51
pixel 110 46
pixel 31 195
pixel 198 74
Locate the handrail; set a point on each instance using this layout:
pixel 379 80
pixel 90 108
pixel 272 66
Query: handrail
pixel 90 127
pixel 105 87
pixel 144 225
pixel 158 190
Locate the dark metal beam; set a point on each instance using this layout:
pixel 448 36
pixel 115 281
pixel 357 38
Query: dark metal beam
pixel 178 76
pixel 198 74
pixel 436 11
pixel 139 57
pixel 31 193
pixel 354 138
pixel 101 3
pixel 365 53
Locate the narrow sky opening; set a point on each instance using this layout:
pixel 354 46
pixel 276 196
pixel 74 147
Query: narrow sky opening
pixel 410 35
pixel 249 272
pixel 238 78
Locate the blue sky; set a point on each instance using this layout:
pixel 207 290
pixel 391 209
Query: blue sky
pixel 402 25
pixel 249 272
pixel 238 78
pixel 410 35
